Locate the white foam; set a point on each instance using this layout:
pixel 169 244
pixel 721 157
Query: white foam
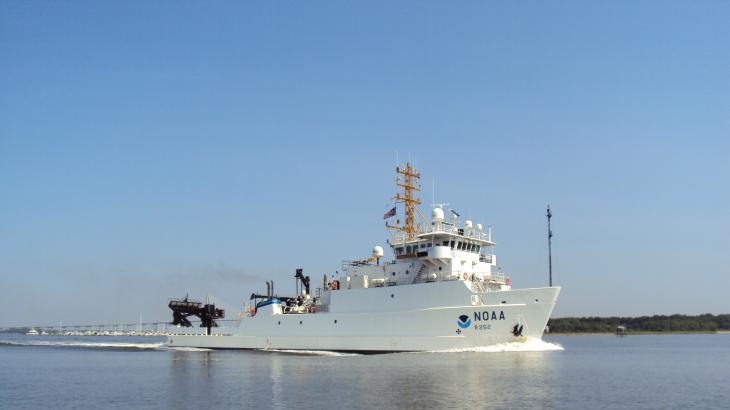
pixel 528 345
pixel 62 343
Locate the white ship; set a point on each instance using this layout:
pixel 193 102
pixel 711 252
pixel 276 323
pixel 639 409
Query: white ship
pixel 441 290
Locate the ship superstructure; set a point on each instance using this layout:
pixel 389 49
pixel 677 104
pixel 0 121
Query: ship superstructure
pixel 425 253
pixel 441 290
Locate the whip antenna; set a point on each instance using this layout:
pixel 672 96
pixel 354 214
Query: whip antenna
pixel 550 247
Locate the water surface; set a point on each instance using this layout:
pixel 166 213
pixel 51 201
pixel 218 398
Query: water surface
pixel 574 372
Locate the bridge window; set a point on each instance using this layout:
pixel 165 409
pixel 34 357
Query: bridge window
pixel 446 243
pixel 452 244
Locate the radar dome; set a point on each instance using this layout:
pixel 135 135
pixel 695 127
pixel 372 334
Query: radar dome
pixel 437 215
pixel 378 251
pixel 467 224
pixel 479 227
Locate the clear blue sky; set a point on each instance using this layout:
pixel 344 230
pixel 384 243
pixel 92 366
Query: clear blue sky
pixel 153 148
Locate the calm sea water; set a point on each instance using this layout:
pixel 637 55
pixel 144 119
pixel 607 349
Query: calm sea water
pixel 651 372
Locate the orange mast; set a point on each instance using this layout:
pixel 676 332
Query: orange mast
pixel 407 178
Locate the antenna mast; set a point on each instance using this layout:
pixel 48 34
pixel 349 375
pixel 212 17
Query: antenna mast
pixel 550 246
pixel 407 178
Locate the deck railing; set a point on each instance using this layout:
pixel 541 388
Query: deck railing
pixel 447 229
pixel 488 279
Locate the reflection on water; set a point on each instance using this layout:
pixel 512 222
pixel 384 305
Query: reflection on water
pixel 264 379
pixel 667 371
pixel 192 376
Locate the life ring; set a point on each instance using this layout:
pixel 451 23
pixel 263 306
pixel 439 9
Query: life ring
pixel 466 276
pixel 506 281
pixel 311 309
pixel 251 311
pixel 335 286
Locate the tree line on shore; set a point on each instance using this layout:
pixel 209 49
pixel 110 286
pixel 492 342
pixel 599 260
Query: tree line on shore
pixel 657 323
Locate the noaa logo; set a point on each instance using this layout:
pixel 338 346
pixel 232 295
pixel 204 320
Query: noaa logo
pixel 463 321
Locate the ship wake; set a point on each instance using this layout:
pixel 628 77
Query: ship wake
pixel 528 345
pixel 83 345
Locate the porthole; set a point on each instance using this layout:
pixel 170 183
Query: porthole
pixel 335 321
pixel 504 301
pixel 439 267
pixel 300 322
pixel 279 322
pixel 392 295
pixel 536 300
pixel 406 272
pixel 393 273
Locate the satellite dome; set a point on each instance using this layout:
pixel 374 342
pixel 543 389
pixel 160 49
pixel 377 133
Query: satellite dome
pixel 378 251
pixel 437 215
pixel 467 224
pixel 479 227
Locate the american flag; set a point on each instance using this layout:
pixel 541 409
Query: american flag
pixel 389 213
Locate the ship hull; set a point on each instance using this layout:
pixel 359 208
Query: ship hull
pixel 401 318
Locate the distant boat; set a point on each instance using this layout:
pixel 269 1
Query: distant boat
pixel 32 332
